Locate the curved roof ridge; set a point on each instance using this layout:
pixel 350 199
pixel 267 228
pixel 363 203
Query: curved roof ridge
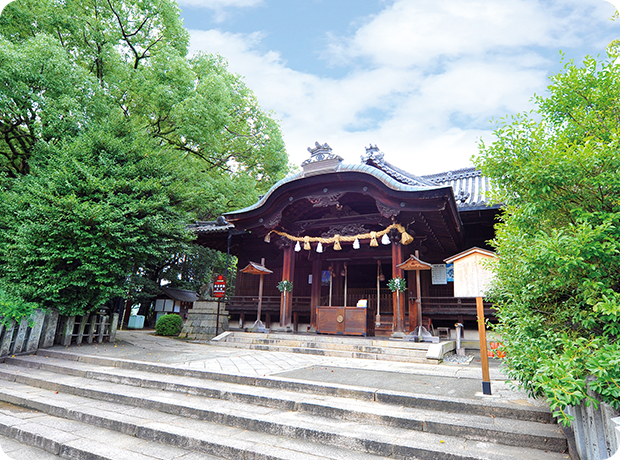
pixel 385 178
pixel 461 173
pixel 374 157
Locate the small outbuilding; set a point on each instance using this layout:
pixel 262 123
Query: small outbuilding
pixel 173 300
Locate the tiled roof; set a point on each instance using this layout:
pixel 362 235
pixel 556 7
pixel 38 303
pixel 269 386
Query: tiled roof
pixel 395 180
pixel 469 185
pixel 182 295
pixel 214 226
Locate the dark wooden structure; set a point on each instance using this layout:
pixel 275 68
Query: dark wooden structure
pixel 313 223
pixel 345 320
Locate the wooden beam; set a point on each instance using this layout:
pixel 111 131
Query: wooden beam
pixel 331 221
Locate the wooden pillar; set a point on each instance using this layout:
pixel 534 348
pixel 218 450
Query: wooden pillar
pixel 288 270
pixel 418 300
pixel 337 284
pixel 412 285
pixel 315 293
pixel 399 310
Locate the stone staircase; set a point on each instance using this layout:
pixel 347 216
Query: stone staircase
pixel 338 346
pixel 98 408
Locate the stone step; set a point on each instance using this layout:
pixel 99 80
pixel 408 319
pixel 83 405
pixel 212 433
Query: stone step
pixel 49 437
pixel 417 349
pixel 138 373
pixel 385 350
pixel 243 430
pixel 478 427
pixel 327 352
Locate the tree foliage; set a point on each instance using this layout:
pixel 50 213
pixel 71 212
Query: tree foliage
pixel 111 141
pixel 557 285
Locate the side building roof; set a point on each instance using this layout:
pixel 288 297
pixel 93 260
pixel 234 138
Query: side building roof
pixel 470 187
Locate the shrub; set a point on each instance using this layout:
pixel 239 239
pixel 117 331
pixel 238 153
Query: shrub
pixel 557 281
pixel 13 307
pixel 169 325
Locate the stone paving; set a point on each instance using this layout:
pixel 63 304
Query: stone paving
pixel 449 379
pixel 142 345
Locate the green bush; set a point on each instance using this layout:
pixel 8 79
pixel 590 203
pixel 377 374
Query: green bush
pixel 13 307
pixel 557 280
pixel 169 325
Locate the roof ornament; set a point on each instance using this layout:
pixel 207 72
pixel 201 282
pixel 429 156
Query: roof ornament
pixel 373 153
pixel 320 153
pixel 321 160
pixel 462 196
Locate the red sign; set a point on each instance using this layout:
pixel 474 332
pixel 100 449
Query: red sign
pixel 219 287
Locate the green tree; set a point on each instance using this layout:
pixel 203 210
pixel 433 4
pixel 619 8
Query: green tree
pixel 111 141
pixel 557 285
pixel 136 52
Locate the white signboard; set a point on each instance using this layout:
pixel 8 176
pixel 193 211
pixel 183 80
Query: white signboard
pixel 471 276
pixel 439 274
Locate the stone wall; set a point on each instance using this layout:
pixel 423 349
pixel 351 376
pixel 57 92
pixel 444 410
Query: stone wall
pixel 200 322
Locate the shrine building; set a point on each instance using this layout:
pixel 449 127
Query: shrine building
pixel 338 232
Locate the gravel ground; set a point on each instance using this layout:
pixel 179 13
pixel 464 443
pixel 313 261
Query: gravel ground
pixel 455 359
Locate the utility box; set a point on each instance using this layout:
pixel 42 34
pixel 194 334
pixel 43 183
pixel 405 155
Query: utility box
pixel 136 322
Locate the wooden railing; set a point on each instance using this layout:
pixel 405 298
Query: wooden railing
pixel 458 308
pixel 453 307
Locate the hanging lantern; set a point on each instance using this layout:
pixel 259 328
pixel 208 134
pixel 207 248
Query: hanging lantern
pixel 356 244
pixel 297 247
pixel 319 247
pixel 385 240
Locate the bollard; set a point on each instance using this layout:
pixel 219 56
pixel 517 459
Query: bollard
pixel 459 330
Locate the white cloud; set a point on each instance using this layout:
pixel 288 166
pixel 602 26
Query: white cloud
pixel 414 33
pixel 424 79
pixel 219 7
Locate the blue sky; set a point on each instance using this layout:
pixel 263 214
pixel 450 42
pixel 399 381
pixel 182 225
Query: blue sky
pixel 420 79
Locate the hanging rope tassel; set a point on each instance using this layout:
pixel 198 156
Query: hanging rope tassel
pixel 406 238
pixel 337 246
pixel 373 239
pixel 307 246
pixel 268 238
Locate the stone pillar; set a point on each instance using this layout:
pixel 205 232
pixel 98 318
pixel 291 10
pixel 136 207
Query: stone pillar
pixel 49 329
pixel 20 339
pixel 5 347
pixel 81 329
pixel 200 322
pixel 91 329
pixel 103 322
pixel 38 319
pixel 67 331
pixel 113 328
